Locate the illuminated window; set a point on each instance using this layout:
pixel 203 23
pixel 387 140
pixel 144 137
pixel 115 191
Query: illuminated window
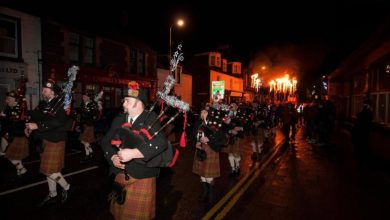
pixel 218 61
pixel 224 65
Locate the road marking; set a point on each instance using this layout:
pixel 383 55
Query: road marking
pixel 235 199
pixel 36 161
pixel 44 181
pixel 221 202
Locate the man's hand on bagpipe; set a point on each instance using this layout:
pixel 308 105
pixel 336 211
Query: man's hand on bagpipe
pixel 117 162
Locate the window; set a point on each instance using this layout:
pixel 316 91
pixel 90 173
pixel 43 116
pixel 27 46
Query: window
pixel 81 48
pixel 133 61
pixel 141 63
pixel 179 70
pixel 224 65
pixel 9 37
pixel 218 61
pixel 74 47
pixel 88 48
pixel 212 60
pixel 381 108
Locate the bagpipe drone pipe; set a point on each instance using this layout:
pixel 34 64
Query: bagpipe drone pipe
pixel 215 128
pixel 63 100
pixel 128 137
pixel 45 112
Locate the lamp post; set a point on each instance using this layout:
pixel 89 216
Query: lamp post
pixel 179 23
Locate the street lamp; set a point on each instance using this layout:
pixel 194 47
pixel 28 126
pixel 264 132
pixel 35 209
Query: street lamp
pixel 179 23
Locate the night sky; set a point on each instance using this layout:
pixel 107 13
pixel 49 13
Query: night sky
pixel 309 38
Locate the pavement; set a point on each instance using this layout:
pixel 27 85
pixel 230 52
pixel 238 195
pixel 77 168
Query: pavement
pixel 313 182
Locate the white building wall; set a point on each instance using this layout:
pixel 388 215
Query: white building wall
pixel 31 46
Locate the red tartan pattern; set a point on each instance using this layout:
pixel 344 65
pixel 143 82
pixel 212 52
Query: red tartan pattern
pixel 233 148
pixel 88 134
pixel 17 149
pixel 140 200
pixel 210 167
pixel 52 157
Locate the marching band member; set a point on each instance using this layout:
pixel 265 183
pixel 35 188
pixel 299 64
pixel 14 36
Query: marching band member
pixel 49 126
pixel 235 131
pixel 89 114
pixel 12 133
pixel 139 180
pixel 208 136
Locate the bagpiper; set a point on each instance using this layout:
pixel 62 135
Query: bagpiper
pixel 50 124
pixel 208 137
pixel 12 132
pixel 89 112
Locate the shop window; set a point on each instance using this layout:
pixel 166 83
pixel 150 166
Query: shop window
pixel 9 37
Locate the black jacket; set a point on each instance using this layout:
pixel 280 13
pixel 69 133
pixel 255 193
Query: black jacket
pixel 217 137
pixel 51 126
pixel 136 168
pixel 11 123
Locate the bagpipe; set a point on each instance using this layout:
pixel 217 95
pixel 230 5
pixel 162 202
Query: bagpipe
pixel 214 128
pixel 98 101
pixel 240 123
pixel 126 136
pixel 49 110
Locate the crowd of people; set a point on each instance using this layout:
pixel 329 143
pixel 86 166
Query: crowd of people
pixel 219 128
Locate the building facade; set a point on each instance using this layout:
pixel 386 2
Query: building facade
pixel 105 64
pixel 20 54
pixel 366 75
pixel 211 66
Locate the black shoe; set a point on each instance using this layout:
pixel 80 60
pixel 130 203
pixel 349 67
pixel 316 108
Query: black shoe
pixel 238 171
pixel 66 194
pixel 254 156
pixel 203 196
pixel 48 200
pixel 233 173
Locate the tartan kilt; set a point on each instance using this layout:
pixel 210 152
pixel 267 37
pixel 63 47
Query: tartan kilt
pixel 140 200
pixel 233 148
pixel 52 157
pixel 88 134
pixel 208 168
pixel 17 149
pixel 257 135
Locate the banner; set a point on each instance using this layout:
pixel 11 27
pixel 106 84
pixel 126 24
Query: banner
pixel 217 90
